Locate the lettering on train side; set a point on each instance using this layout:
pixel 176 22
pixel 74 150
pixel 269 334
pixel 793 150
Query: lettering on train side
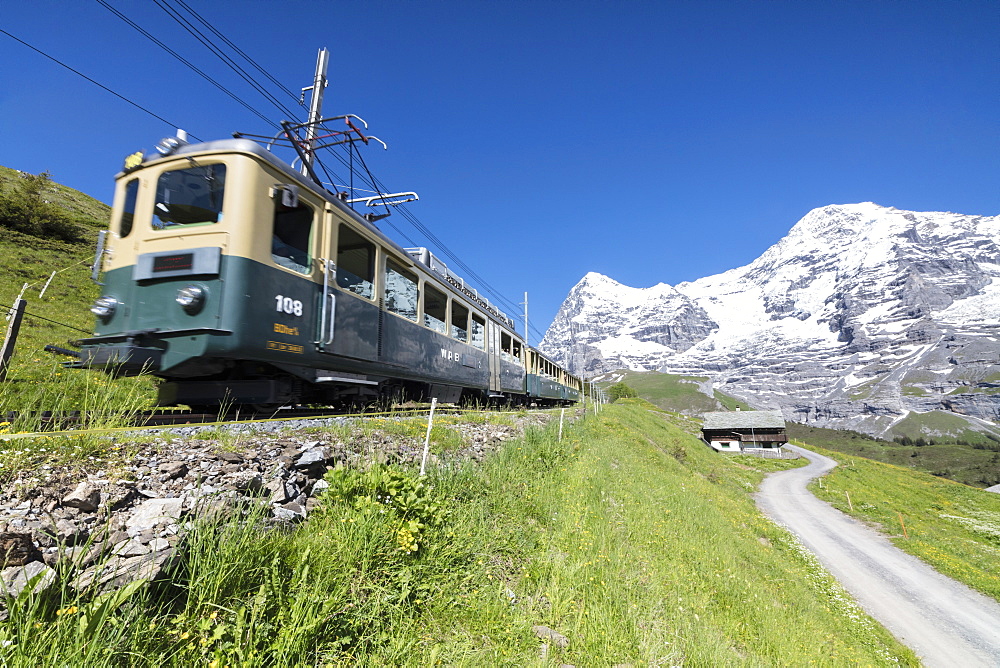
pixel 451 356
pixel 285 329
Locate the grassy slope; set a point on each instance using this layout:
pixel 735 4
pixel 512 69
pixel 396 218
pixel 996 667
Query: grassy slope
pixel 36 379
pixel 941 426
pixel 965 464
pixel 628 537
pixel 953 527
pixel 89 212
pixel 676 393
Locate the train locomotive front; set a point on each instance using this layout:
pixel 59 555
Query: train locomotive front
pixel 239 281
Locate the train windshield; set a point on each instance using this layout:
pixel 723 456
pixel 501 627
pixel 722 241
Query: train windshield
pixel 190 196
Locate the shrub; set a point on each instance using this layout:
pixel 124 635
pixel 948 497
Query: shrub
pixel 24 208
pixel 621 391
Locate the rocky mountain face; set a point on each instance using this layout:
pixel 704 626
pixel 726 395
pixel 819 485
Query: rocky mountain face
pixel 861 317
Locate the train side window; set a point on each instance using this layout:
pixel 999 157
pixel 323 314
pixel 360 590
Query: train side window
pixel 128 208
pixel 355 263
pixel 435 309
pixel 459 322
pixel 477 330
pixel 190 196
pixel 505 346
pixel 290 241
pixel 516 351
pixel 401 291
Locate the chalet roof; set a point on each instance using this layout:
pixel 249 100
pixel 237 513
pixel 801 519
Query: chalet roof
pixel 744 420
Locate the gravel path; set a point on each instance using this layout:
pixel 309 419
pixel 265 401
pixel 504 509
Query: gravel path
pixel 943 621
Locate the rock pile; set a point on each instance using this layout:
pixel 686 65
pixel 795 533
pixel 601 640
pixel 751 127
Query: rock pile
pixel 124 522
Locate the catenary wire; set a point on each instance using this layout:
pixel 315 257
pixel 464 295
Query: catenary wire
pixel 375 183
pixel 181 58
pixel 237 49
pixel 198 35
pixel 99 85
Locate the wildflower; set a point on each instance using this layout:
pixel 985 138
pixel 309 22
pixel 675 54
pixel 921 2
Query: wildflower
pixel 67 611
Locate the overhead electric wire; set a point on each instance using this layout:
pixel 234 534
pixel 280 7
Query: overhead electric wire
pixel 96 83
pixel 445 250
pixel 237 49
pixel 372 181
pixel 198 35
pixel 181 58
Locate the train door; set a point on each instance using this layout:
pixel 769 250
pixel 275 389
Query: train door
pixel 348 323
pixel 493 350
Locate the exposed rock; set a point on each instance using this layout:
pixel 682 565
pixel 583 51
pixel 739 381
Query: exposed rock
pixel 15 579
pixel 107 532
pixel 17 549
pixel 85 497
pixel 547 634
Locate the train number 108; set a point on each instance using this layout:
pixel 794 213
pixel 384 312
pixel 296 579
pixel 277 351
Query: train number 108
pixel 287 305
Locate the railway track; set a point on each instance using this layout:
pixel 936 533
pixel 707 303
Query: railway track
pixel 56 421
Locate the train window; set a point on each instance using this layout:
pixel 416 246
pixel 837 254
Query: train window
pixel 435 309
pixel 128 208
pixel 400 291
pixel 516 351
pixel 290 240
pixel 477 330
pixel 190 196
pixel 505 346
pixel 459 322
pixel 355 263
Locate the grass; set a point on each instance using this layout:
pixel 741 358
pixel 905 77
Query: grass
pixel 628 537
pixel 84 209
pixel 972 465
pixel 953 527
pixel 941 426
pixel 678 393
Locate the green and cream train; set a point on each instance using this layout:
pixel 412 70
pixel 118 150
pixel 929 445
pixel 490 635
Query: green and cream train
pixel 238 280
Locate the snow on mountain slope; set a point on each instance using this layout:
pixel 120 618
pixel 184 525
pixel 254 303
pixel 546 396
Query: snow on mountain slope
pixel 860 315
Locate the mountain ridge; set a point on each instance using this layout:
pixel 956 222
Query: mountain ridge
pixel 858 317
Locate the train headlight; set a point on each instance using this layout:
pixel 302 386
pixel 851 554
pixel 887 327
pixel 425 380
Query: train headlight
pixel 191 298
pixel 168 145
pixel 104 307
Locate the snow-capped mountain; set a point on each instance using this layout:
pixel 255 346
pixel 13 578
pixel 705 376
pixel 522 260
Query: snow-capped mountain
pixel 859 316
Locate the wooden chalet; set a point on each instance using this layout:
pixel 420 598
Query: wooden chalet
pixel 737 431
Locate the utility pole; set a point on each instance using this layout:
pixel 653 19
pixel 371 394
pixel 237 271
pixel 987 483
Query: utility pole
pixel 526 334
pixel 315 106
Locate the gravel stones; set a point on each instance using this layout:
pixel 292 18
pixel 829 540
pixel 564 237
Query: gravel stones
pixel 104 528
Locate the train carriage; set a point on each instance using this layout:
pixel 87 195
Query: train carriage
pixel 238 280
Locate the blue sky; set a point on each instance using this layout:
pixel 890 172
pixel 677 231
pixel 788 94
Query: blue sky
pixel 649 141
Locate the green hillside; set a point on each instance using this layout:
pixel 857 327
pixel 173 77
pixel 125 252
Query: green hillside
pixel 36 379
pixel 89 211
pixel 680 394
pixel 624 542
pixel 976 465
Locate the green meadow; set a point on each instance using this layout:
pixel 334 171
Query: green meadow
pixel 625 542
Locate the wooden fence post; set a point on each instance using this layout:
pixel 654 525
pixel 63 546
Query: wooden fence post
pixel 16 314
pixel 427 439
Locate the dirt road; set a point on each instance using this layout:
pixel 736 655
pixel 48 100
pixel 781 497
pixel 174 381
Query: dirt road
pixel 943 621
